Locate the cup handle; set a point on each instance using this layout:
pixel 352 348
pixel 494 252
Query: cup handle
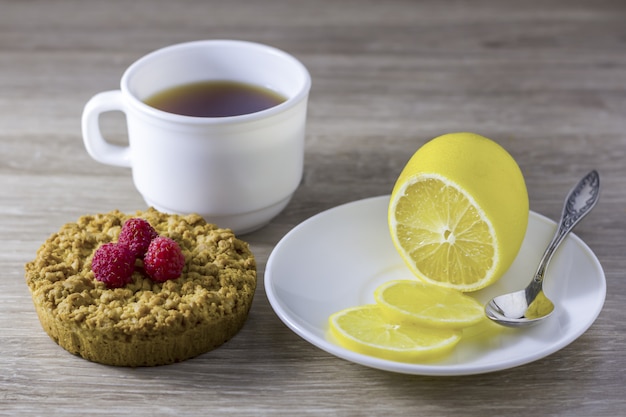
pixel 97 147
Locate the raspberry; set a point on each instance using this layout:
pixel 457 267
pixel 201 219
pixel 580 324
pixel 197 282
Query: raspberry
pixel 164 259
pixel 137 234
pixel 113 264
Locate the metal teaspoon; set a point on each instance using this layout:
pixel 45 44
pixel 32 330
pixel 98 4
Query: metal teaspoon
pixel 530 305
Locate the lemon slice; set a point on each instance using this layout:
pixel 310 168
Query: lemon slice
pixel 458 212
pixel 416 302
pixel 365 330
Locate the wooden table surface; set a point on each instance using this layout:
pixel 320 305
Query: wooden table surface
pixel 546 79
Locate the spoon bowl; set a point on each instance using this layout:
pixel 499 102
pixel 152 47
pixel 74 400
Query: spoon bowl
pixel 530 306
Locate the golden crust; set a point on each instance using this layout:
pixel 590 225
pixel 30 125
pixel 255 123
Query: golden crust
pixel 144 323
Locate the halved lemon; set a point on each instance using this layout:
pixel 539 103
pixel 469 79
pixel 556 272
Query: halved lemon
pixel 411 301
pixel 365 330
pixel 458 212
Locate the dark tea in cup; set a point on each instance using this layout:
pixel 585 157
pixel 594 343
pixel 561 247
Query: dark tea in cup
pixel 216 98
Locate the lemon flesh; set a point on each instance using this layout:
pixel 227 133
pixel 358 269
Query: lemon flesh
pixel 458 212
pixel 364 329
pixel 410 301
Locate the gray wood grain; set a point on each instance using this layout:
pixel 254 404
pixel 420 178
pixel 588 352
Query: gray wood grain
pixel 546 79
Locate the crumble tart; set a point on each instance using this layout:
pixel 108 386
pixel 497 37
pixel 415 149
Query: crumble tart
pixel 144 323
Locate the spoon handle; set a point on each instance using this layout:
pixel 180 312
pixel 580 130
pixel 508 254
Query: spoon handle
pixel 580 200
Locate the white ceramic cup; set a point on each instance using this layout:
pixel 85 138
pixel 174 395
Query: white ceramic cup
pixel 237 172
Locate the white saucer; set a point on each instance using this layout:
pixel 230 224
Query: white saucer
pixel 337 258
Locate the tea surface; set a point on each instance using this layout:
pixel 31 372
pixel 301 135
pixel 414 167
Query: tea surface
pixel 214 99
